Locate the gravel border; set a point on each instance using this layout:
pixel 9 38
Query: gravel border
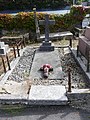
pixel 22 70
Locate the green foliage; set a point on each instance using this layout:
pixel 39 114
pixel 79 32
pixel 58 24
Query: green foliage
pixel 25 20
pixel 29 4
pixel 6 21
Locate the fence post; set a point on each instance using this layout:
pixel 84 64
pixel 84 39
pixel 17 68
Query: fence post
pixel 3 64
pixel 88 61
pixel 14 51
pixel 70 42
pixel 18 50
pixel 77 50
pixel 8 62
pixel 69 79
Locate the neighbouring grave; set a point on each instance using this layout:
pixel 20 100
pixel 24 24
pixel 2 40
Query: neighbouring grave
pixel 4 49
pixel 84 46
pixel 14 42
pixel 47 44
pixel 12 92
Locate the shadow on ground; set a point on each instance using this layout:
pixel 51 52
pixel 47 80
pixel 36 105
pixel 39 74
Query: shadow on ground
pixel 44 113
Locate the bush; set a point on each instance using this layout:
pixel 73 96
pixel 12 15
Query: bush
pixel 25 20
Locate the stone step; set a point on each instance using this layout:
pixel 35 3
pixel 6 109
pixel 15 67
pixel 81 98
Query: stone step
pixel 38 95
pixel 48 95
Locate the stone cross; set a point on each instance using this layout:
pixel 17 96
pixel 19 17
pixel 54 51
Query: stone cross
pixel 36 24
pixel 47 22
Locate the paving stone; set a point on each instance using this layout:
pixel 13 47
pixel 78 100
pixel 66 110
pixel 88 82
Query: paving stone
pixel 47 95
pixel 14 90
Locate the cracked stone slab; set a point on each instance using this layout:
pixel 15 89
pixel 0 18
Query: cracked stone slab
pixel 14 90
pixel 45 57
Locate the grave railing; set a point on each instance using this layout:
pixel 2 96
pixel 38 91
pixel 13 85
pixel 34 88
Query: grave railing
pixel 14 42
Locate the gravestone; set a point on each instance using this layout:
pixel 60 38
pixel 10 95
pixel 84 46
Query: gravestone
pixel 3 48
pixel 47 44
pixel 36 24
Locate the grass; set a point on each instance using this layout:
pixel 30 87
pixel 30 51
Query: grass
pixel 13 109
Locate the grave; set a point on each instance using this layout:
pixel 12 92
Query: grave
pixel 46 44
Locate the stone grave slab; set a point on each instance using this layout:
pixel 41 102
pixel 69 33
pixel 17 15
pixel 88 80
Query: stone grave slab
pixel 48 95
pixel 14 90
pixel 52 58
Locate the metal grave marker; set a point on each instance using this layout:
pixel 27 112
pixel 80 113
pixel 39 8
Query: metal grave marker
pixel 47 45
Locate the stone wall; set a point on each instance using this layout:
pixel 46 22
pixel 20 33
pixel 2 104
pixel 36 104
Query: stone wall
pixel 80 98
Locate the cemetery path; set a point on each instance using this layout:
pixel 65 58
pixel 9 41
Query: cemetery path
pixel 44 113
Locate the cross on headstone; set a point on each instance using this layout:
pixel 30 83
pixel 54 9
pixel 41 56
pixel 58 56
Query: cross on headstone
pixel 46 45
pixel 47 22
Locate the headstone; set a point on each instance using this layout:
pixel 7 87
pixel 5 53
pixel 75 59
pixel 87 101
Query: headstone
pixel 47 44
pixel 3 48
pixel 36 24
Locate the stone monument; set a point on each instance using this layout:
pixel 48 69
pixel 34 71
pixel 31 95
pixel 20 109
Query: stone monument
pixel 36 24
pixel 3 48
pixel 47 44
